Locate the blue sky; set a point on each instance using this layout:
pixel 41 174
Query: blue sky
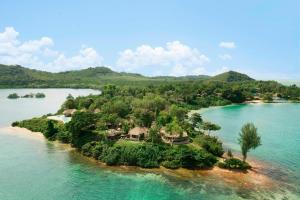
pixel 261 38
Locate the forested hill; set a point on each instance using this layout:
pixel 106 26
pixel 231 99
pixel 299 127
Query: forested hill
pixel 15 76
pixel 231 76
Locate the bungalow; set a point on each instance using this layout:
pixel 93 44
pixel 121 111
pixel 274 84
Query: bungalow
pixel 174 138
pixel 137 133
pixel 114 134
pixel 69 112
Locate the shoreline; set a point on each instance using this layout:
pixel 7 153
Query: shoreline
pixel 248 179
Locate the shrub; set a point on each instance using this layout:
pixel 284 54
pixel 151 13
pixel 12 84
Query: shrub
pixel 173 164
pixel 40 95
pixel 13 96
pixel 210 144
pixel 64 136
pixel 15 124
pixel 234 163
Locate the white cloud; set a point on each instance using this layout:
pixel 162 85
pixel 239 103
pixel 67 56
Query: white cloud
pixel 227 45
pixel 225 56
pixel 85 58
pixel 34 53
pixel 175 59
pixel 221 70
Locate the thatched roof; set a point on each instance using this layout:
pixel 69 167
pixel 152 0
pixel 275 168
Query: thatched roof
pixel 114 132
pixel 69 112
pixel 138 131
pixel 174 135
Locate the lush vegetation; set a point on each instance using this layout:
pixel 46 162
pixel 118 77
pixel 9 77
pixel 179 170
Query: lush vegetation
pixel 202 91
pixel 13 96
pixel 123 108
pixel 234 163
pixel 52 130
pixel 158 105
pixel 15 76
pixel 31 95
pixel 40 95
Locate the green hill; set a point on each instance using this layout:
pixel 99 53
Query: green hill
pixel 231 76
pixel 15 76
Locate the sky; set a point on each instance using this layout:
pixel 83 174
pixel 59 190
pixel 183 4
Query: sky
pixel 170 37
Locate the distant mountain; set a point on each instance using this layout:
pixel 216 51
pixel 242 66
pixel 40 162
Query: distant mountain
pixel 15 76
pixel 231 76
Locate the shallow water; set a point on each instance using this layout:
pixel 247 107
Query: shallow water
pixel 279 127
pixel 32 168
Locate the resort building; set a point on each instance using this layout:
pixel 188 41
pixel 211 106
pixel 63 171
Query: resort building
pixel 69 112
pixel 137 133
pixel 175 138
pixel 114 134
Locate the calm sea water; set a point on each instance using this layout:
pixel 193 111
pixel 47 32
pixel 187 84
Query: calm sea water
pixel 279 127
pixel 33 169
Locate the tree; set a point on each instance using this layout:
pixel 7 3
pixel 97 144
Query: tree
pixel 208 126
pixel 50 130
pixel 154 136
pixel 70 104
pixel 81 127
pixel 249 139
pixel 196 119
pixel 178 112
pixel 110 90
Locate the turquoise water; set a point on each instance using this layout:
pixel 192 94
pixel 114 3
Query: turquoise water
pixel 34 169
pixel 279 127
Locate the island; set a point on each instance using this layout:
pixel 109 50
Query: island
pixel 30 95
pixel 152 126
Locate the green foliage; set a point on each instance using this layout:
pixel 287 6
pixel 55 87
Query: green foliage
pixel 154 136
pixel 148 155
pixel 69 104
pixel 50 131
pixel 178 112
pixel 183 156
pixel 208 126
pixel 40 95
pixel 174 127
pixel 210 144
pixel 13 96
pixel 231 76
pixel 234 163
pixel 81 128
pixel 196 119
pixel 248 139
pixel 35 124
pixel 229 153
pixel 267 97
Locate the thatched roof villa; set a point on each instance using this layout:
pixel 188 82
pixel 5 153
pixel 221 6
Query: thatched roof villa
pixel 176 138
pixel 114 134
pixel 138 133
pixel 69 112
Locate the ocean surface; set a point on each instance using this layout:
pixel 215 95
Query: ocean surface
pixel 34 169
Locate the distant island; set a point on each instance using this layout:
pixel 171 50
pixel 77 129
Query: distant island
pixel 151 126
pixel 31 95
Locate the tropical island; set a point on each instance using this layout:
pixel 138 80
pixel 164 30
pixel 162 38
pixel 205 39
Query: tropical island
pixel 151 125
pixel 30 95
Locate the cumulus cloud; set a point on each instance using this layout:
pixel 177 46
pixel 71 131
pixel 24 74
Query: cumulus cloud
pixel 33 53
pixel 227 45
pixel 86 57
pixel 225 56
pixel 175 58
